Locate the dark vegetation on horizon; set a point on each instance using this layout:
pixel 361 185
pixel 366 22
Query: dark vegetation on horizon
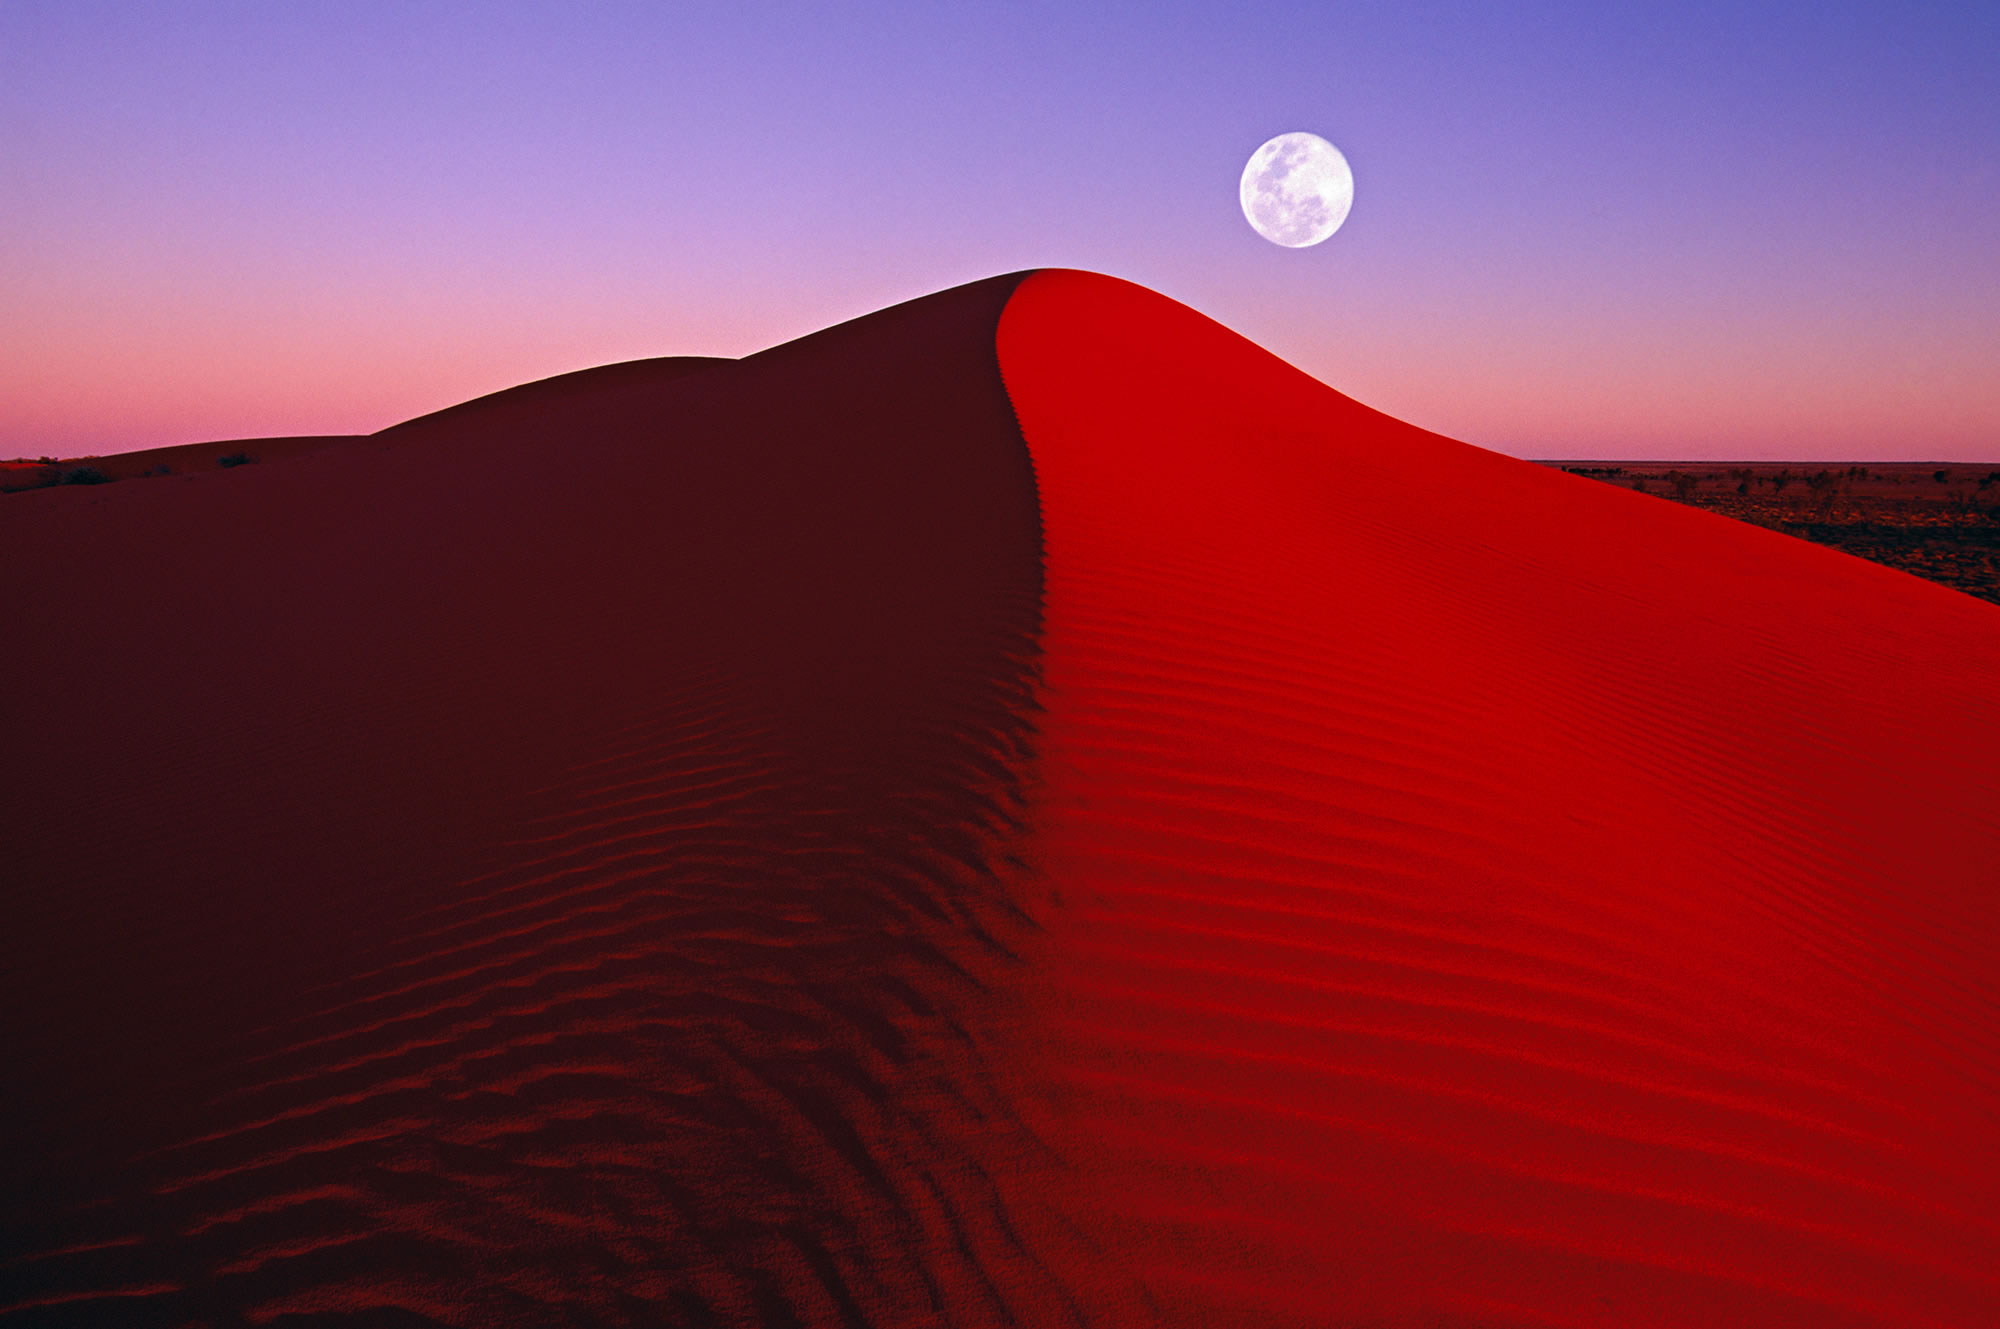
pixel 47 472
pixel 1941 523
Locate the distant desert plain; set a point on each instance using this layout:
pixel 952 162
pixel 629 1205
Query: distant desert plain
pixel 1936 520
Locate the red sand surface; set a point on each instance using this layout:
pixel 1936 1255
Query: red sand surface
pixel 797 841
pixel 1544 905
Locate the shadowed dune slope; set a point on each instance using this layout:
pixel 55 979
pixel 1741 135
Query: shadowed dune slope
pixel 1022 809
pixel 534 866
pixel 1487 897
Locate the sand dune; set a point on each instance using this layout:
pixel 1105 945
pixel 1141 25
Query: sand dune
pixel 995 813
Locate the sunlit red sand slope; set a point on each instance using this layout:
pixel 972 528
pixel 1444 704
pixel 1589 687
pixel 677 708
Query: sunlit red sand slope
pixel 1488 898
pixel 800 842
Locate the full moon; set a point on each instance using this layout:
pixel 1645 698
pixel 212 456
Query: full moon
pixel 1297 189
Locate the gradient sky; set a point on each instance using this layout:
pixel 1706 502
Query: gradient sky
pixel 1580 230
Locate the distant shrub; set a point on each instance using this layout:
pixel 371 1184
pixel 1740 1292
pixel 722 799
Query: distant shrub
pixel 39 478
pixel 235 459
pixel 1942 477
pixel 85 475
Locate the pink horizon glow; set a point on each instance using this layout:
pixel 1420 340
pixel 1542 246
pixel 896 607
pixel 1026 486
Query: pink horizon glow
pixel 1575 234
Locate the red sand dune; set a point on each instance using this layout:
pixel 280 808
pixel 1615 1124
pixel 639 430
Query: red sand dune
pixel 797 841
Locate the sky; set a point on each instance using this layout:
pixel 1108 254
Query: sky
pixel 1698 230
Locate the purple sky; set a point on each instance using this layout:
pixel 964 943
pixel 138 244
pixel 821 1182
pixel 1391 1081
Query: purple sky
pixel 1579 230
